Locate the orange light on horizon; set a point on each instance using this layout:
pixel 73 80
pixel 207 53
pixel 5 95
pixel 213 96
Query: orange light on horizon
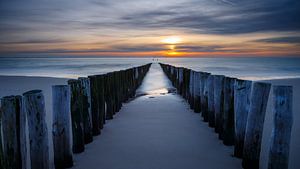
pixel 173 53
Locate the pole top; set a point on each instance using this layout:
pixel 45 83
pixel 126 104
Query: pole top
pixel 32 92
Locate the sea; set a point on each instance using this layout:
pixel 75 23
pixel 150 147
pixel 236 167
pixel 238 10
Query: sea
pixel 250 68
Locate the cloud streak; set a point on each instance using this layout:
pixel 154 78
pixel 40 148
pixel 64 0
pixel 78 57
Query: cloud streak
pixel 287 39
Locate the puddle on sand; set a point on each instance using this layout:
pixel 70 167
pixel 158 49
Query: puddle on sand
pixel 157 92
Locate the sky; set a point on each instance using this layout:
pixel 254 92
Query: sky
pixel 187 28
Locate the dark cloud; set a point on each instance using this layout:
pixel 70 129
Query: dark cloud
pixel 116 48
pixel 212 17
pixel 240 17
pixel 287 39
pixel 197 48
pixel 33 41
pixel 138 48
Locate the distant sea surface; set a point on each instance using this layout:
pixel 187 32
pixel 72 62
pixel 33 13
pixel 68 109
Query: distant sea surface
pixel 73 67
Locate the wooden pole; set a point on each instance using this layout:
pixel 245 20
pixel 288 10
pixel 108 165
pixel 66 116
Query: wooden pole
pixel 228 112
pixel 118 90
pixel 63 156
pixel 11 147
pixel 197 97
pixel 101 100
pixel 191 89
pixel 1 145
pixel 86 109
pixel 177 79
pixel 187 74
pixel 112 93
pixel 281 133
pixel 210 101
pixel 204 95
pixel 255 124
pixel 94 106
pixel 22 132
pixel 242 91
pixel 108 97
pixel 218 103
pixel 13 133
pixel 180 81
pixel 34 106
pixel 76 114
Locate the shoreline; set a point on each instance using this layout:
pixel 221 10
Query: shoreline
pixel 75 77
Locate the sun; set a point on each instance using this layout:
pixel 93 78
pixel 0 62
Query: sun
pixel 171 40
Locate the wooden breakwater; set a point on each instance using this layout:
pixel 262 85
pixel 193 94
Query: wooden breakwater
pixel 80 109
pixel 236 109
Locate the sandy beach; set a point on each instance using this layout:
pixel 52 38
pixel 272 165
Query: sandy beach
pixel 157 129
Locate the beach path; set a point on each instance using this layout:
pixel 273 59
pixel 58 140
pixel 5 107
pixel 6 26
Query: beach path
pixel 156 131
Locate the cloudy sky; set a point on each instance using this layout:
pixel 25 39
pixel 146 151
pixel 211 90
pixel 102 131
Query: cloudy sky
pixel 150 27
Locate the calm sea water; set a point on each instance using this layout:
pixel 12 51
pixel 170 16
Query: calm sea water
pixel 245 68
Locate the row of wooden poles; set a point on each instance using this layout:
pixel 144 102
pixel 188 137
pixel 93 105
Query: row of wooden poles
pixel 79 113
pixel 236 109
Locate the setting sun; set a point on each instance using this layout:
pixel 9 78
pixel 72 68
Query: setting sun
pixel 172 40
pixel 173 53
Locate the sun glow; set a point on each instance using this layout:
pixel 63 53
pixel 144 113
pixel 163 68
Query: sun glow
pixel 171 40
pixel 171 43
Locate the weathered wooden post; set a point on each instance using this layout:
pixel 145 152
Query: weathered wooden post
pixel 218 103
pixel 121 90
pixel 108 97
pixel 183 86
pixel 34 106
pixel 197 97
pixel 130 84
pixel 76 114
pixel 11 126
pixel 125 86
pixel 255 124
pixel 172 72
pixel 94 105
pixel 63 156
pixel 86 109
pixel 191 89
pixel 22 132
pixel 242 91
pixel 1 146
pixel 14 138
pixel 204 95
pixel 180 81
pixel 186 77
pixel 101 100
pixel 228 112
pixel 112 93
pixel 118 90
pixel 281 133
pixel 210 100
pixel 177 79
